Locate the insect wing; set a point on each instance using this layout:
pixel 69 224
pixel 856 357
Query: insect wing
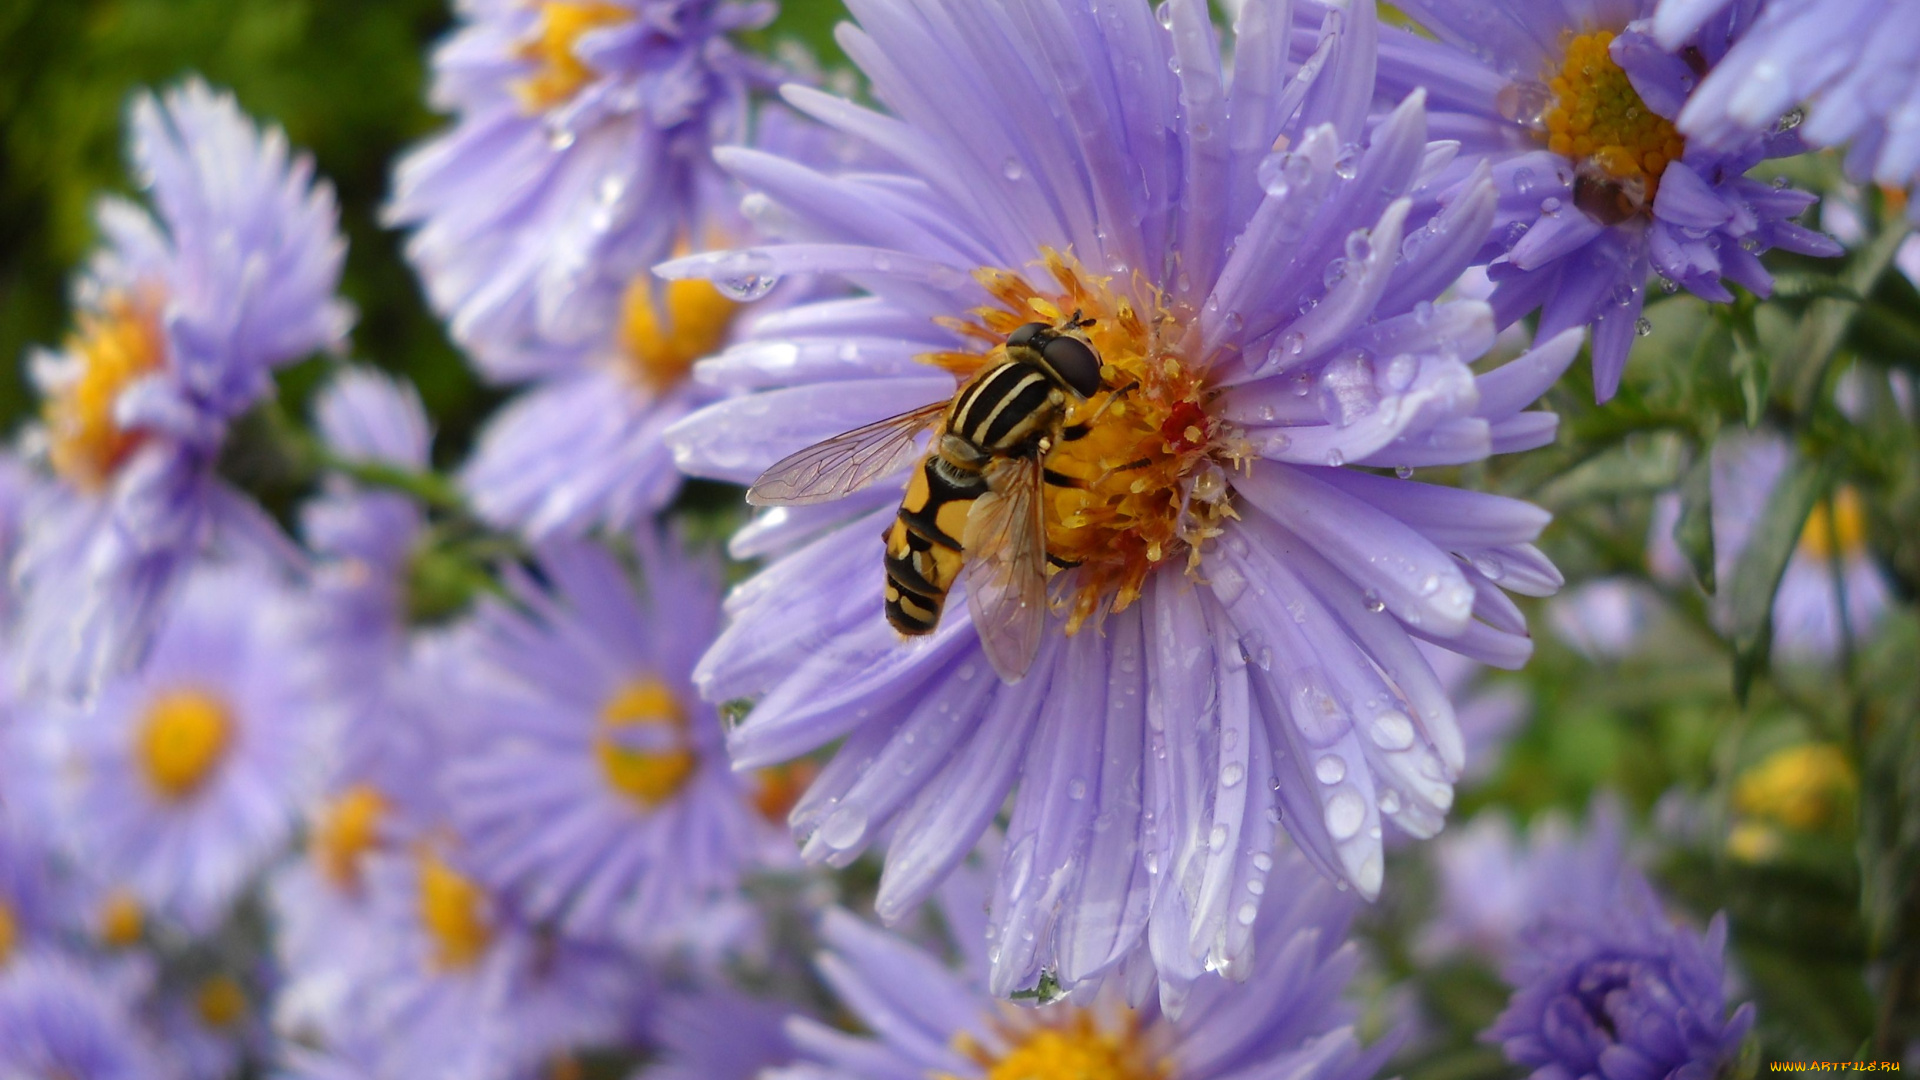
pixel 1006 546
pixel 845 463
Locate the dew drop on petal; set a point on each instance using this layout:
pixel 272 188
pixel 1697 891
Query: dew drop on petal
pixel 1389 801
pixel 1012 169
pixel 1217 839
pixel 1373 601
pixel 1077 790
pixel 1330 769
pixel 1247 913
pixel 1393 731
pixel 1642 326
pixel 844 828
pixel 1232 774
pixel 1346 812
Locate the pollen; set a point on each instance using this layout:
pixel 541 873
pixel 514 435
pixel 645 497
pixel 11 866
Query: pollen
pixel 667 325
pixel 1073 1047
pixel 115 350
pixel 1841 519
pixel 643 742
pixel 453 911
pixel 1597 117
pixel 220 1002
pixel 9 933
pixel 1802 787
pixel 122 923
pixel 558 72
pixel 349 827
pixel 1125 507
pixel 184 738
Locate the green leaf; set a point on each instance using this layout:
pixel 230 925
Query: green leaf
pixel 1803 365
pixel 1757 573
pixel 1752 368
pixel 1637 466
pixel 1694 531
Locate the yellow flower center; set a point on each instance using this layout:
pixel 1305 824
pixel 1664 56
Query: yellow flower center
pixel 1802 787
pixel 1596 118
pixel 1074 1048
pixel 662 336
pixel 184 738
pixel 558 72
pixel 122 923
pixel 348 828
pixel 9 933
pixel 1130 506
pixel 647 709
pixel 115 350
pixel 453 910
pixel 221 1002
pixel 1842 519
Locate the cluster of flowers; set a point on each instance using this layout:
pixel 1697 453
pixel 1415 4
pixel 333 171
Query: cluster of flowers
pixel 254 808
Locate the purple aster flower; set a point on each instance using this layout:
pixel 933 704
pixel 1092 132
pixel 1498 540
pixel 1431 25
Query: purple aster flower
pixel 456 985
pixel 1849 63
pixel 580 156
pixel 61 1019
pixel 1604 619
pixel 1572 103
pixel 927 1020
pixel 182 318
pixel 183 779
pixel 717 1035
pixel 1613 988
pixel 589 782
pixel 1831 571
pixel 1235 643
pixel 1494 883
pixel 29 917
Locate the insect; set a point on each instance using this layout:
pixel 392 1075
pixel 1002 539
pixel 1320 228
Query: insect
pixel 974 502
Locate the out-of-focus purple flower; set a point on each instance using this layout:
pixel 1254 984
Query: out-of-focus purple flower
pixel 1494 883
pixel 1237 642
pixel 717 1035
pixel 28 899
pixel 1612 988
pixel 927 1020
pixel 1571 101
pixel 1603 619
pixel 183 316
pixel 1807 608
pixel 59 1018
pixel 581 154
pixel 1849 63
pixel 456 985
pixel 183 779
pixel 588 782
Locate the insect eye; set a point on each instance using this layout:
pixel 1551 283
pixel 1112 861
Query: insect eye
pixel 1023 336
pixel 1075 363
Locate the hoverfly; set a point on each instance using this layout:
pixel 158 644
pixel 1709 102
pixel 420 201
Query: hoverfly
pixel 975 499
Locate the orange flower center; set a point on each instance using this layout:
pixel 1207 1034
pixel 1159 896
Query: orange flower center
pixel 183 740
pixel 453 910
pixel 1596 118
pixel 220 1002
pixel 667 325
pixel 644 711
pixel 348 828
pixel 1075 1046
pixel 9 933
pixel 1144 486
pixel 778 787
pixel 1842 520
pixel 558 71
pixel 115 350
pixel 122 923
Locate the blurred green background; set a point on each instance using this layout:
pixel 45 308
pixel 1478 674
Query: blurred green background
pixel 346 78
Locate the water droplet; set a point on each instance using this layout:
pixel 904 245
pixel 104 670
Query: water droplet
pixel 1077 790
pixel 1523 181
pixel 1780 183
pixel 1346 812
pixel 560 138
pixel 1423 312
pixel 1335 458
pixel 1793 118
pixel 1642 326
pixel 1669 286
pixel 1217 839
pixel 1173 64
pixel 1392 731
pixel 1389 801
pixel 1165 13
pixel 1247 913
pixel 1232 774
pixel 1550 206
pixel 1370 875
pixel 1524 103
pixel 1330 769
pixel 1336 270
pixel 1373 601
pixel 1348 163
pixel 1404 472
pixel 844 828
pixel 1263 862
pixel 1359 246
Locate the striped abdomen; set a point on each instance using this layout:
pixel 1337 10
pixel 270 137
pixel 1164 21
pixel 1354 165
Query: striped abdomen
pixel 923 543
